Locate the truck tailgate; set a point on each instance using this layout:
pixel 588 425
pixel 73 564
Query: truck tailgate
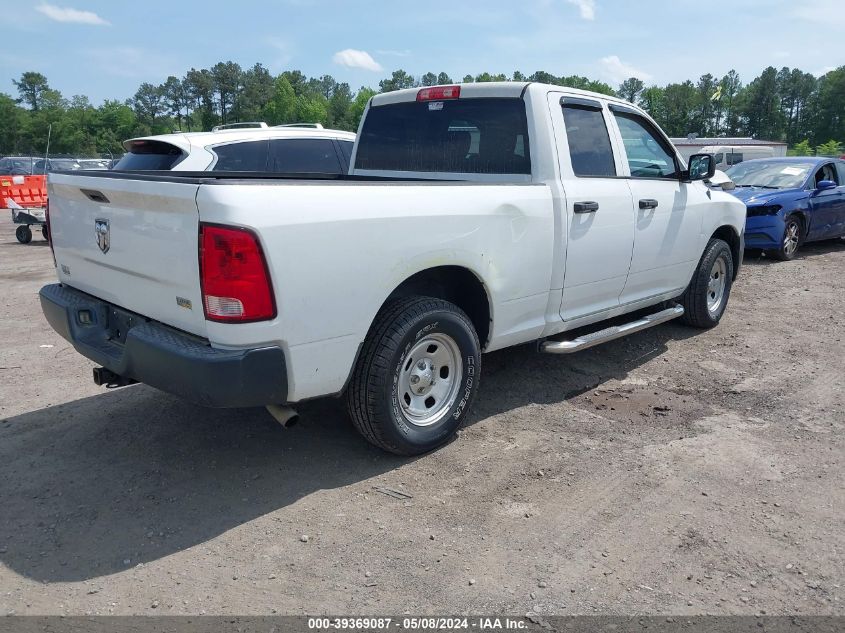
pixel 129 242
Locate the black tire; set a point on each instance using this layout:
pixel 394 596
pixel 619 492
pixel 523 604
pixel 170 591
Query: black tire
pixel 24 234
pixel 44 232
pixel 377 409
pixel 786 253
pixel 695 297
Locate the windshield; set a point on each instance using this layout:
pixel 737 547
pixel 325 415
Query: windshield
pixel 769 174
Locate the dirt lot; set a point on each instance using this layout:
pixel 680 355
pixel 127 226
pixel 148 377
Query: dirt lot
pixel 673 472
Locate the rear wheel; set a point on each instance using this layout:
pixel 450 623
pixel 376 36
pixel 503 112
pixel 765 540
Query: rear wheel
pixel 706 298
pixel 24 234
pixel 416 376
pixel 44 233
pixel 793 235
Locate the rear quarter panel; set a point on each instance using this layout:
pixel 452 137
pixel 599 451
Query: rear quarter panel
pixel 337 250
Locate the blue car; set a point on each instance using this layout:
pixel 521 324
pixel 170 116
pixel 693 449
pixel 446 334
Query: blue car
pixel 790 201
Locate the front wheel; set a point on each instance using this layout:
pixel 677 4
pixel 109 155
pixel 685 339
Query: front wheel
pixel 706 297
pixel 24 234
pixel 416 376
pixel 793 234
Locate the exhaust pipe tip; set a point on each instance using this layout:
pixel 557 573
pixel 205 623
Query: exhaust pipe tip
pixel 285 416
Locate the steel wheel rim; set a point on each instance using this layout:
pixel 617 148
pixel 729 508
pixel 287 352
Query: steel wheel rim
pixel 716 285
pixel 790 238
pixel 429 379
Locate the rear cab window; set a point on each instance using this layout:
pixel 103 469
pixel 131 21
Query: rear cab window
pixel 149 155
pixel 457 136
pixel 590 150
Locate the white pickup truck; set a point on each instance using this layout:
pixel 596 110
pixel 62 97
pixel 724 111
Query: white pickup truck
pixel 475 217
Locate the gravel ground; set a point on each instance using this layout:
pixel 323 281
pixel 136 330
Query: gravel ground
pixel 673 472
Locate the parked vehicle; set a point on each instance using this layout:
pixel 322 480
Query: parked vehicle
pixel 476 217
pixel 729 155
pixel 17 165
pixel 243 147
pixel 790 201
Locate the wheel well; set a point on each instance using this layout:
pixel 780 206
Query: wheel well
pixel 457 285
pixel 729 235
pixel 801 218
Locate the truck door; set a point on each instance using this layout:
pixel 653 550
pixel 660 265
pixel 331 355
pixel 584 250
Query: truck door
pixel 669 212
pixel 599 218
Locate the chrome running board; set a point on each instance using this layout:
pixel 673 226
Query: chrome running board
pixel 610 333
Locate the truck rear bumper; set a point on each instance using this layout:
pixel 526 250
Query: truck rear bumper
pixel 133 347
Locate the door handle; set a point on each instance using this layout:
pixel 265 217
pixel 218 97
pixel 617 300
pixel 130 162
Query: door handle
pixel 648 203
pixel 586 207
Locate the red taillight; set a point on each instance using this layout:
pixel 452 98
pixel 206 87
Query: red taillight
pixel 439 92
pixel 233 273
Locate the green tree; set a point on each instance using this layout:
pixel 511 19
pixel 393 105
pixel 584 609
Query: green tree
pixel 761 110
pixel 258 89
pixel 175 99
pixel 227 78
pixel 630 89
pixel 282 105
pixel 831 148
pixel 14 119
pixel 828 118
pixel 397 81
pixel 652 101
pixel 679 102
pixel 802 148
pixel 32 87
pixel 339 107
pixel 148 103
pixel 200 89
pixel 356 110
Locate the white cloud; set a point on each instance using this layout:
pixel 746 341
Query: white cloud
pixel 587 8
pixel 618 71
pixel 66 14
pixel 352 58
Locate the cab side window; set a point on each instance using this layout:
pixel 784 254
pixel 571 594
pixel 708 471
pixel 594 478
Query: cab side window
pixel 589 142
pixel 246 156
pixel 304 155
pixel 827 172
pixel 647 152
pixel 840 171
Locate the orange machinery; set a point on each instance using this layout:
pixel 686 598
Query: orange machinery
pixel 26 197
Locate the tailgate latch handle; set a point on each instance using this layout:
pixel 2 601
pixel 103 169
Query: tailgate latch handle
pixel 95 196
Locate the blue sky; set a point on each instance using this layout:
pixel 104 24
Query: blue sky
pixel 105 49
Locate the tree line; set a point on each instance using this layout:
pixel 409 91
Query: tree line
pixel 790 105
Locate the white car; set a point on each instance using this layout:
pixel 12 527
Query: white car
pixel 249 147
pixel 475 217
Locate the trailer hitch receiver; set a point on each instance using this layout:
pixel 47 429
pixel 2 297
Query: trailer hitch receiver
pixel 110 380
